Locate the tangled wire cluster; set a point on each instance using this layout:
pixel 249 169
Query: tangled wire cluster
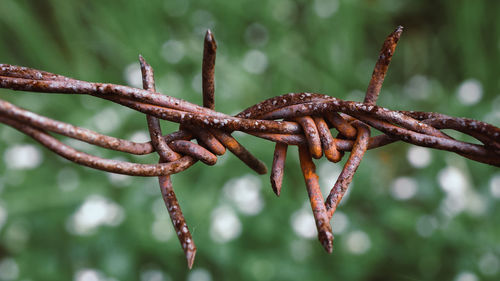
pixel 306 120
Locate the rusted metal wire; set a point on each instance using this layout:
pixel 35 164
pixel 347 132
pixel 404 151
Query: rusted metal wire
pixel 313 115
pixel 166 155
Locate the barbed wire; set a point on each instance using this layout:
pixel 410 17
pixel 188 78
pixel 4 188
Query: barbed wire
pixel 301 119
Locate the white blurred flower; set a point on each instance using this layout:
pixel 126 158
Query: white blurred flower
pixel 325 8
pixel 404 188
pixel 245 193
pixel 22 156
pixel 139 136
pixel 172 51
pixel 94 212
pixel 303 224
pixel 419 157
pixel 358 242
pixel 452 181
pixel 9 270
pixel 119 180
pixel 466 276
pixel 133 75
pixel 199 274
pixel 328 173
pixel 154 275
pixel 470 92
pixel 489 264
pixel 88 274
pixel 162 229
pixel 225 226
pixel 340 222
pixel 459 194
pixel 495 185
pixel 255 61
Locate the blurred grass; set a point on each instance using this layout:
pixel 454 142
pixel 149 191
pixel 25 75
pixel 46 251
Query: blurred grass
pixel 444 44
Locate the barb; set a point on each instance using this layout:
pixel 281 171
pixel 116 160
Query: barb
pixel 208 70
pixel 382 65
pixel 315 115
pixel 363 132
pixel 166 154
pixel 277 171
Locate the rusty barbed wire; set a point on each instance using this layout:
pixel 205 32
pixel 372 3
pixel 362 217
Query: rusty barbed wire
pixel 301 119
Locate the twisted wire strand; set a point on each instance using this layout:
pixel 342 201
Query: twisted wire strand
pixel 301 119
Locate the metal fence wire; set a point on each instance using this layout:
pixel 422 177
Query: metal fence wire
pixel 301 119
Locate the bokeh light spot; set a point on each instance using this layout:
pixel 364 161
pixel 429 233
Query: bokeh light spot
pixel 255 61
pixel 94 212
pixel 495 186
pixel 303 224
pixel 340 222
pixel 199 274
pixel 404 188
pixel 325 8
pixel 358 242
pixel 245 193
pixel 466 276
pixel 133 75
pixel 225 226
pixel 23 156
pixel 9 270
pixel 489 264
pixel 470 92
pixel 419 157
pixel 172 51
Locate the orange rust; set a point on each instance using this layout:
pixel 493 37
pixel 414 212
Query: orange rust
pixel 206 138
pixel 194 150
pixel 278 167
pixel 327 141
pixel 350 167
pixel 321 218
pixel 241 152
pixel 180 226
pixel 339 123
pixel 382 65
pixel 208 70
pixel 312 135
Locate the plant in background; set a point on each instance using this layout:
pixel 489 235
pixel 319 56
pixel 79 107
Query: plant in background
pixel 307 120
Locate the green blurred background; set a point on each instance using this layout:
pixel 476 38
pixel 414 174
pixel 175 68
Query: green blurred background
pixel 411 214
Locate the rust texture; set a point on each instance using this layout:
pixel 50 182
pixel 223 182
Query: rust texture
pixel 208 70
pixel 320 214
pixel 278 167
pixel 166 154
pixel 302 119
